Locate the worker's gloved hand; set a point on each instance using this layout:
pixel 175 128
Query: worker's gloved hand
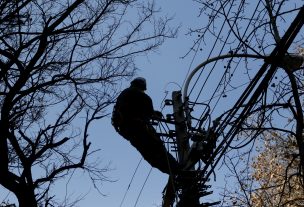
pixel 157 115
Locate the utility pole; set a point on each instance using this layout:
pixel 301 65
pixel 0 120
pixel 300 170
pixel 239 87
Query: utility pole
pixel 189 185
pixel 182 139
pixel 189 195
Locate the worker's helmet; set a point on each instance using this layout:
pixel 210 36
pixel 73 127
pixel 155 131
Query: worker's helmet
pixel 139 83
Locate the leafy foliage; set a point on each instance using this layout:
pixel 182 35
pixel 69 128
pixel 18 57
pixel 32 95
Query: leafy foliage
pixel 276 170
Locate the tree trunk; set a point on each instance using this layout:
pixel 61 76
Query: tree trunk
pixel 26 197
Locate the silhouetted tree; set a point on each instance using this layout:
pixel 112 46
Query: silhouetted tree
pixel 60 63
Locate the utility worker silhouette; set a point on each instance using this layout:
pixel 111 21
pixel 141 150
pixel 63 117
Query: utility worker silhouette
pixel 131 118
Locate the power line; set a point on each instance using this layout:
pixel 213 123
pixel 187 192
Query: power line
pixel 123 199
pixel 278 51
pixel 223 46
pixel 213 47
pixel 222 78
pixel 142 187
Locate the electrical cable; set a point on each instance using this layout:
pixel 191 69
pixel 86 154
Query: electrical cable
pixel 278 51
pixel 243 34
pixel 229 33
pixel 213 47
pixel 231 58
pixel 251 86
pixel 241 97
pixel 213 67
pixel 239 45
pixel 223 46
pixel 226 38
pixel 190 66
pixel 198 42
pixel 123 199
pixel 214 64
pixel 143 187
pixel 217 38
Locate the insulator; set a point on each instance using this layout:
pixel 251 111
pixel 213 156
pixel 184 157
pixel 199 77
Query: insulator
pixel 172 133
pixel 205 179
pixel 168 102
pixel 173 148
pixel 154 123
pixel 205 193
pixel 209 204
pixel 168 142
pixel 163 134
pixel 198 137
pixel 169 117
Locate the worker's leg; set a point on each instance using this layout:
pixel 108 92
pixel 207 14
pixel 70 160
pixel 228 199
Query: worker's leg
pixel 163 153
pixel 152 149
pixel 169 194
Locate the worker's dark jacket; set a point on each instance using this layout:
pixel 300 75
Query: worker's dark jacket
pixel 131 116
pixel 134 104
